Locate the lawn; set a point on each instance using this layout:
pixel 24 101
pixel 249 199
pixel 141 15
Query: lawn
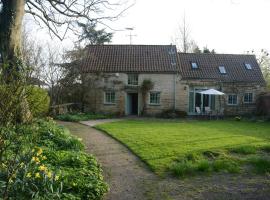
pixel 171 144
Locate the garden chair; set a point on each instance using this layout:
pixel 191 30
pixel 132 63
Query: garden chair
pixel 198 110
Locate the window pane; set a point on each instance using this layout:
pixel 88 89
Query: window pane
pixel 110 97
pixel 248 66
pixel 132 79
pixel 222 69
pixel 155 98
pixel 194 65
pixel 248 97
pixel 232 99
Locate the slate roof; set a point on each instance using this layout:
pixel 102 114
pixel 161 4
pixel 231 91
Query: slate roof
pixel 130 58
pixel 208 67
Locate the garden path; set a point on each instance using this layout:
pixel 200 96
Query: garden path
pixel 128 177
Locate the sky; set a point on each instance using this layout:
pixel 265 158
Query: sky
pixel 228 26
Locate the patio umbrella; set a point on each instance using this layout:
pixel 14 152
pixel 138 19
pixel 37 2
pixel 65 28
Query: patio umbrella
pixel 212 92
pixel 215 93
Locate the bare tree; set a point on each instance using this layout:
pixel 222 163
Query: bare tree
pixel 52 73
pixel 264 62
pixel 59 16
pixel 183 40
pixel 33 56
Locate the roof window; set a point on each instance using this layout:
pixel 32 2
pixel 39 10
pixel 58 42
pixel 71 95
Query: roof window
pixel 248 66
pixel 194 65
pixel 222 69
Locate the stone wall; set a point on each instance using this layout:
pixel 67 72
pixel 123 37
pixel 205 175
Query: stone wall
pixel 97 84
pixel 178 97
pixel 222 102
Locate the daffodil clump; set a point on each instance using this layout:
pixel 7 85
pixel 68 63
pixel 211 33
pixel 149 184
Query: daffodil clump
pixel 40 169
pixel 44 161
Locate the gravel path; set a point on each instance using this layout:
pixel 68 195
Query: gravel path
pixel 128 177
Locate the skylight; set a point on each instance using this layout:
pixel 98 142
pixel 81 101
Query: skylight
pixel 222 70
pixel 194 65
pixel 248 66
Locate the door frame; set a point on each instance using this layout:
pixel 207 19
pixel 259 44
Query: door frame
pixel 127 102
pixel 202 99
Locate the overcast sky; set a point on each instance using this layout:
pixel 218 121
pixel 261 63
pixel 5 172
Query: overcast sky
pixel 228 26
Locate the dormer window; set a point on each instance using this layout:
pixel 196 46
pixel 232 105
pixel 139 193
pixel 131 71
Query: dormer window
pixel 194 65
pixel 248 66
pixel 222 69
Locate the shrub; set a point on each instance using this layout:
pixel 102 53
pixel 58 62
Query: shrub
pixel 171 114
pixel 47 163
pixel 38 100
pixel 56 137
pixel 238 118
pixel 76 117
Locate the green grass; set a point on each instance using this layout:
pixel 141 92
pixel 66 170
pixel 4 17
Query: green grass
pixel 211 145
pixel 76 117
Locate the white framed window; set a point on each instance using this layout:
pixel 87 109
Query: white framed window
pixel 232 99
pixel 248 97
pixel 155 98
pixel 222 69
pixel 133 79
pixel 248 66
pixel 194 65
pixel 109 97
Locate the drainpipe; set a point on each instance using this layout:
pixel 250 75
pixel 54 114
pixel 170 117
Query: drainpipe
pixel 174 91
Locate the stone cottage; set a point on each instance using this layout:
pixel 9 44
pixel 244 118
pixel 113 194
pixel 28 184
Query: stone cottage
pixel 113 76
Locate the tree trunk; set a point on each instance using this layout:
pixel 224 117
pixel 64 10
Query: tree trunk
pixel 11 16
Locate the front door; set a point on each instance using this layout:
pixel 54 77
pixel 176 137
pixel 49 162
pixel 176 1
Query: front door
pixel 132 104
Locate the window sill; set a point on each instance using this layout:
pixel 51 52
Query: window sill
pixel 154 104
pixel 109 104
pixel 232 104
pixel 132 85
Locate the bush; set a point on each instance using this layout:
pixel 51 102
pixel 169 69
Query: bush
pixel 76 117
pixel 172 114
pixel 47 163
pixel 38 100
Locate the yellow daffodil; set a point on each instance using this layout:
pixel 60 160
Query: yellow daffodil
pixel 56 178
pixel 36 159
pixel 49 174
pixel 44 157
pixel 42 168
pixel 37 175
pixel 39 152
